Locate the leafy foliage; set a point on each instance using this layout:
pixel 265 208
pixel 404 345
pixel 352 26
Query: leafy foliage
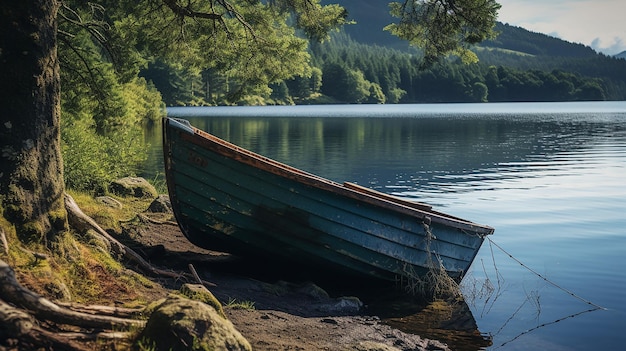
pixel 104 104
pixel 250 43
pixel 441 27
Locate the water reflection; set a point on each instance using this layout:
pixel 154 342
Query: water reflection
pixel 450 321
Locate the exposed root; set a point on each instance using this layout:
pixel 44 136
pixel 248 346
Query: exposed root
pixel 79 220
pixel 5 243
pixel 27 316
pixel 103 310
pixel 12 292
pixel 147 219
pixel 21 321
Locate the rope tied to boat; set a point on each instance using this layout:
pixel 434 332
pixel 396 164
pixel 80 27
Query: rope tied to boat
pixel 426 224
pixel 546 279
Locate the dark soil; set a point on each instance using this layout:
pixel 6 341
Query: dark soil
pixel 287 312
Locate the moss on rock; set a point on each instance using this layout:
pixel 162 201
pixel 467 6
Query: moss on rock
pixel 183 324
pixel 133 186
pixel 200 293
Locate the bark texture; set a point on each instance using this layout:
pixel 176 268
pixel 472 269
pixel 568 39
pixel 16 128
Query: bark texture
pixel 31 172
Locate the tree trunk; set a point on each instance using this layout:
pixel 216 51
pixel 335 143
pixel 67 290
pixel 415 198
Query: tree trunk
pixel 31 171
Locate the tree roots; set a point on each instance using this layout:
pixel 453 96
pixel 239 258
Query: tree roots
pixel 23 313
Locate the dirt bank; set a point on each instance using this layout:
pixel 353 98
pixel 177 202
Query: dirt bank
pixel 291 314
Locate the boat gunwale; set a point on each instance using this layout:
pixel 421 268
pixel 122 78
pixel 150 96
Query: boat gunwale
pixel 230 150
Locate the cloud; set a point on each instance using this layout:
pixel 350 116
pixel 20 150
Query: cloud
pixel 615 47
pixel 595 23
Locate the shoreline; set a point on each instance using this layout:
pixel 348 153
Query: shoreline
pixel 283 315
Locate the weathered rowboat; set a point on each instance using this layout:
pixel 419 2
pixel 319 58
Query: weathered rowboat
pixel 230 199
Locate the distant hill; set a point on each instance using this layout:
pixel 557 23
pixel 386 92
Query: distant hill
pixel 373 15
pixel 515 49
pixel 538 44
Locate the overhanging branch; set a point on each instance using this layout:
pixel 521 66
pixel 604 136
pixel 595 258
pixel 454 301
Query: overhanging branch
pixel 188 12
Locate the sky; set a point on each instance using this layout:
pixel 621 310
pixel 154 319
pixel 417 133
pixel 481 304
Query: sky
pixel 595 23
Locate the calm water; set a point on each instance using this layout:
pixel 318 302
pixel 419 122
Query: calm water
pixel 550 177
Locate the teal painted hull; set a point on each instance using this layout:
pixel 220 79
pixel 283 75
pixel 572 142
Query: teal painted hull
pixel 229 199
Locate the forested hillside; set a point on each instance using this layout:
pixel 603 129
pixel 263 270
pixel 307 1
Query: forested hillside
pixel 351 70
pixel 366 64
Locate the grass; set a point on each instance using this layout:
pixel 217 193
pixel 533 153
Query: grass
pixel 144 344
pixel 240 305
pixel 159 183
pixel 78 266
pixel 108 217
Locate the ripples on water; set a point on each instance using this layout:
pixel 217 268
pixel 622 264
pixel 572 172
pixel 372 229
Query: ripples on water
pixel 551 178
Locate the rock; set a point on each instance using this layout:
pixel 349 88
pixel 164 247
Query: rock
pixel 182 324
pixel 109 201
pixel 312 290
pixel 372 346
pixel 201 293
pixel 133 186
pixel 161 204
pixel 346 305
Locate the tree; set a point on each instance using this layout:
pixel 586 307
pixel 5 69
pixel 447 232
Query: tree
pixel 480 92
pixel 345 84
pixel 31 169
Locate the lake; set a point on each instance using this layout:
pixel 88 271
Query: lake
pixel 550 177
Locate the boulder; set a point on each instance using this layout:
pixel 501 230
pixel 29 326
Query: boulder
pixel 161 204
pixel 183 324
pixel 133 186
pixel 201 293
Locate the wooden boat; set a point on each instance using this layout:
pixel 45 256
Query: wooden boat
pixel 227 198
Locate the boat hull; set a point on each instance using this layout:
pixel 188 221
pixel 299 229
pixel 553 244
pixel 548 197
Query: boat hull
pixel 229 199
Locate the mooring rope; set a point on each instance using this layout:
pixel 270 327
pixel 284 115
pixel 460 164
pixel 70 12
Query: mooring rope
pixel 546 279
